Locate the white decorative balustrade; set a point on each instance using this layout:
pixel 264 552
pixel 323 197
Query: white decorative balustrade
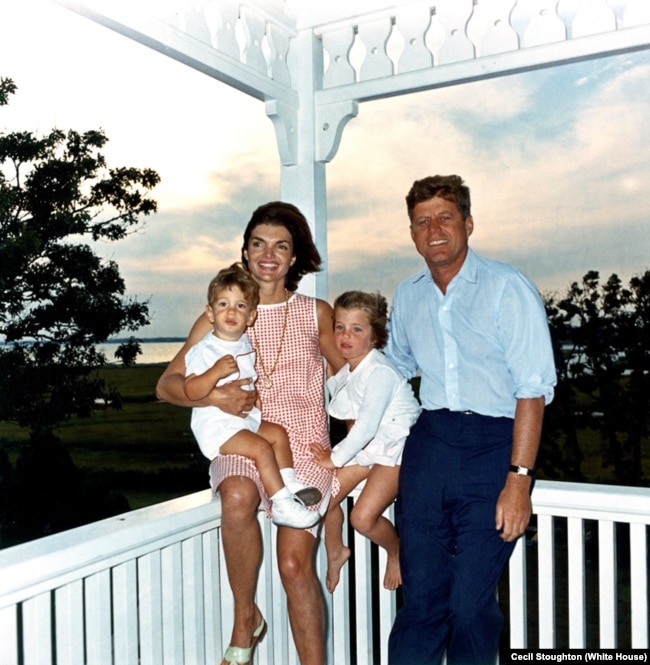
pixel 403 37
pixel 312 68
pixel 421 35
pixel 150 586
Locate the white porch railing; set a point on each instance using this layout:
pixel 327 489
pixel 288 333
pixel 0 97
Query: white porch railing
pixel 149 586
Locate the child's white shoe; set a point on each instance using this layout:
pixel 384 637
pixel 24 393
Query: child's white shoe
pixel 308 495
pixel 291 512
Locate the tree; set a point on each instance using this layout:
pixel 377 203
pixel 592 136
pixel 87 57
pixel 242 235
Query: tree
pixel 560 456
pixel 603 360
pixel 58 299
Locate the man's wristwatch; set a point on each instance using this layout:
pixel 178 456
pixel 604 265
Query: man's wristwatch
pixel 521 470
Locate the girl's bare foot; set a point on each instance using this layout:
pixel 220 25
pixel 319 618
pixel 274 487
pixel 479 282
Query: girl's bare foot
pixel 334 565
pixel 393 575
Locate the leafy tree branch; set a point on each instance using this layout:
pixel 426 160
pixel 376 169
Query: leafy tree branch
pixel 58 298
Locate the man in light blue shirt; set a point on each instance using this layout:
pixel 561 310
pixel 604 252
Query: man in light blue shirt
pixel 476 330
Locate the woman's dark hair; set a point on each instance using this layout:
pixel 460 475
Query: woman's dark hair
pixel 448 187
pixel 278 213
pixel 374 305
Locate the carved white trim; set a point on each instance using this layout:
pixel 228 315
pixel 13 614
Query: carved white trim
pixel 330 121
pixel 285 122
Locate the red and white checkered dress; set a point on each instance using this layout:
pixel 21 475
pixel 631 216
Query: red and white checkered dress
pixel 296 398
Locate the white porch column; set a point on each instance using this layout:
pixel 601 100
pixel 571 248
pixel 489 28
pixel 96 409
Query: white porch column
pixel 302 175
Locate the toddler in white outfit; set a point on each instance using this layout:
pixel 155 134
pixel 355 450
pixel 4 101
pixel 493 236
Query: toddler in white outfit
pixel 223 355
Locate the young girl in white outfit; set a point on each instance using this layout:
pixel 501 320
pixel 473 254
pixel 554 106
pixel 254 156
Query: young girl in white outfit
pixel 379 407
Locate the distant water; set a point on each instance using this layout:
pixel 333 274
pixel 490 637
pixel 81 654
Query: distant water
pixel 154 351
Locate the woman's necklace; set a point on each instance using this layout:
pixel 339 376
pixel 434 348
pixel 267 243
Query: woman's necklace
pixel 266 379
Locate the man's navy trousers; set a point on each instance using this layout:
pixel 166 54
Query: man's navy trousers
pixel 453 469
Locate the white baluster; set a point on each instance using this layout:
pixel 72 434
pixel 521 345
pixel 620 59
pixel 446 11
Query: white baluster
pixel 254 26
pixel 69 613
pixel 490 30
pixel 192 601
pixel 607 584
pixel 453 15
pixel 169 12
pixel 221 19
pixel 191 19
pixel 619 7
pixel 537 23
pixel 413 26
pixel 278 41
pixel 594 16
pixel 375 35
pixel 517 596
pixel 125 614
pixel 37 630
pixel 338 44
pixel 567 10
pixel 436 36
pixel 172 603
pixel 214 578
pixel 637 12
pixel 149 608
pixel 586 17
pixel 639 585
pixel 97 614
pixel 577 593
pixel 546 580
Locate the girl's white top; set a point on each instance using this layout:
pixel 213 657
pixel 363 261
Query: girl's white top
pixel 382 404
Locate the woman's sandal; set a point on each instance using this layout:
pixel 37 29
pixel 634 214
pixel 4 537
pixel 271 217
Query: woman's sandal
pixel 243 655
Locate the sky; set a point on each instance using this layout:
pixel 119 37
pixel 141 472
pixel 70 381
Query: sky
pixel 557 160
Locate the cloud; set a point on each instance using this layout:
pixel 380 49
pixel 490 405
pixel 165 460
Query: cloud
pixel 557 160
pixel 156 112
pixel 557 176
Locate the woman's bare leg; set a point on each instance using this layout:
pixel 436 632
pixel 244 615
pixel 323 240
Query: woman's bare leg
pixel 305 602
pixel 366 517
pixel 242 545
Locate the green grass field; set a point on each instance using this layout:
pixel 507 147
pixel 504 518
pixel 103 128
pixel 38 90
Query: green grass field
pixel 147 452
pixel 146 449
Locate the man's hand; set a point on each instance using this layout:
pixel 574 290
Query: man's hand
pixel 513 507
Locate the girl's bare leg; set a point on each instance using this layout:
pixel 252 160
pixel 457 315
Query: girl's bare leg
pixel 337 552
pixel 366 517
pixel 242 545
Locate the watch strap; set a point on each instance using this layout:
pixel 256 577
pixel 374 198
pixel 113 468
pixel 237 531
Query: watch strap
pixel 521 470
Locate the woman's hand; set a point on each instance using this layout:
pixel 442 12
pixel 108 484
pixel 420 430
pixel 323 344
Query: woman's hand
pixel 233 398
pixel 322 456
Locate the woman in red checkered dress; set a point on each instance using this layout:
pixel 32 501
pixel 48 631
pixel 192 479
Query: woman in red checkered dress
pixel 292 335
